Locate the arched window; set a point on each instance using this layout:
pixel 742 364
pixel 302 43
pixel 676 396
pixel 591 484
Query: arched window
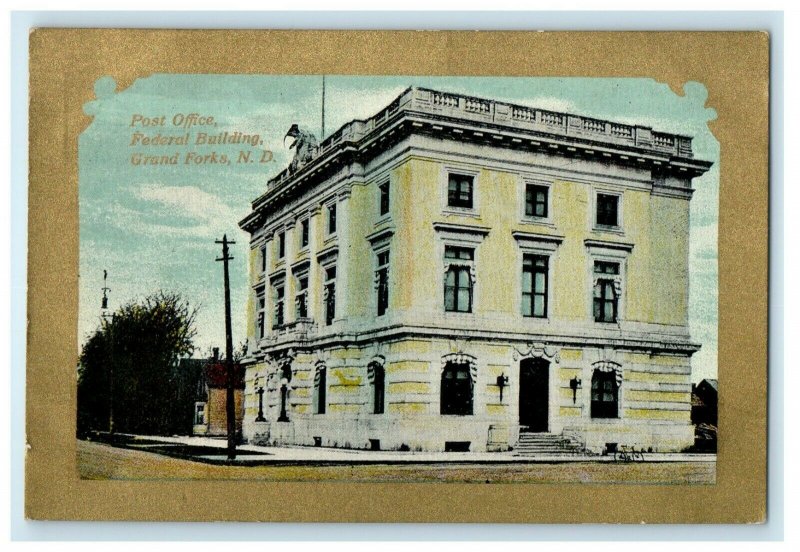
pixel 605 394
pixel 320 387
pixel 456 392
pixel 378 388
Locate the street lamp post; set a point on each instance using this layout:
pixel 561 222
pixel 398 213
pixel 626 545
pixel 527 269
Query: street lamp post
pixel 260 417
pixel 284 392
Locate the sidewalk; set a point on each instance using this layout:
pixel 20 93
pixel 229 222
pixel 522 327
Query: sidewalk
pixel 259 455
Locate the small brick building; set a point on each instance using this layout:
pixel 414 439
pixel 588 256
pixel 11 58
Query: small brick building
pixel 210 416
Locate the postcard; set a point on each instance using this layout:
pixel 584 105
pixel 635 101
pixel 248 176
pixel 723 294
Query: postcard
pixel 411 284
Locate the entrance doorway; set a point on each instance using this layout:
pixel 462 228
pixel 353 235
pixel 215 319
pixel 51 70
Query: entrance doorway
pixel 534 403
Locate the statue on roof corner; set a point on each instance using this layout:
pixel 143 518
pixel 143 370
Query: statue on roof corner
pixel 304 144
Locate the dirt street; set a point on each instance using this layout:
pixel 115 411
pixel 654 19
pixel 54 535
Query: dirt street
pixel 99 461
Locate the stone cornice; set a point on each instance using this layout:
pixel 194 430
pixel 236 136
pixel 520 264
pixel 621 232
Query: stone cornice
pixel 382 235
pixel 464 118
pixel 672 191
pixel 602 244
pixel 277 275
pixel 533 237
pixel 301 265
pixel 328 252
pixel 626 341
pixel 452 228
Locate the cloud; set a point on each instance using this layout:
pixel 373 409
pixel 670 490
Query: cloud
pixel 552 104
pixel 207 214
pixel 171 212
pixel 188 201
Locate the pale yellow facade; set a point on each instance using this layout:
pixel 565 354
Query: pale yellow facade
pixel 647 347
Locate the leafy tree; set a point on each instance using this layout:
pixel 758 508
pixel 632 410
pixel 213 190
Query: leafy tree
pixel 132 362
pixel 93 384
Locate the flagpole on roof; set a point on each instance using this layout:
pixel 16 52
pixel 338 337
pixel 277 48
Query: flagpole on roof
pixel 322 133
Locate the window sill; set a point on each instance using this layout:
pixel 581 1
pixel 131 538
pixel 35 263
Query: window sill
pixel 461 212
pixel 538 221
pixel 330 238
pixel 383 219
pixel 609 229
pixel 536 319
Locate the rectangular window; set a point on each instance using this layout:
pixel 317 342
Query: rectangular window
pixel 460 191
pixel 281 245
pixel 301 299
pixel 535 200
pixel 263 258
pixel 262 305
pixel 534 286
pixel 384 203
pixel 382 280
pixel 458 279
pixel 330 295
pixel 331 218
pixel 304 233
pixel 607 210
pixel 605 293
pixel 277 319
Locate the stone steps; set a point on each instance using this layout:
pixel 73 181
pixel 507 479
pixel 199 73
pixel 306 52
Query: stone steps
pixel 536 444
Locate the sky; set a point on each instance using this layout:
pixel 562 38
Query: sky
pixel 153 227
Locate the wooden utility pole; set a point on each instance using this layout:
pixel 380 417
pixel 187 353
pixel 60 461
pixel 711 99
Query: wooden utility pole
pixel 230 407
pixel 109 327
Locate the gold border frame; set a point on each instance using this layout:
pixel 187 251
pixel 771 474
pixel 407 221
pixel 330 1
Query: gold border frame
pixel 64 63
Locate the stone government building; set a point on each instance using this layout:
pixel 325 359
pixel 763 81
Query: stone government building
pixel 457 273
